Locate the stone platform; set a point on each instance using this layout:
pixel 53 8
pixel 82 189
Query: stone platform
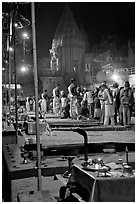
pixel 52 166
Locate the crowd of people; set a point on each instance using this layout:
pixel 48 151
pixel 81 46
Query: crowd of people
pixel 110 106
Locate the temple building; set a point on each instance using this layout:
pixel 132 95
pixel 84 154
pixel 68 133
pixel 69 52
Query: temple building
pixel 68 55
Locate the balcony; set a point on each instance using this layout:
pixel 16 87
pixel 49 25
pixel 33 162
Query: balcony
pixel 131 70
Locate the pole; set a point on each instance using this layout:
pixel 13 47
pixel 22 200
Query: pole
pixel 5 83
pixel 24 50
pixel 24 55
pixel 9 58
pixel 36 95
pixel 127 155
pixel 15 69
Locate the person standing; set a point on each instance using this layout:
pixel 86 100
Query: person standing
pixel 45 95
pixel 100 96
pixel 44 106
pixel 30 100
pixel 34 103
pixel 125 102
pixel 109 109
pixel 97 107
pixel 63 101
pixel 89 97
pixel 56 100
pixel 27 105
pixel 129 94
pixel 79 98
pixel 72 93
pixel 116 102
pixel 133 106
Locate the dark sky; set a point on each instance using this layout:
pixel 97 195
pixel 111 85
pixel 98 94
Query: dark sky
pixel 98 18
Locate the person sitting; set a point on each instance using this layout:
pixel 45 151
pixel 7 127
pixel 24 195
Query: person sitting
pixel 83 111
pixel 65 111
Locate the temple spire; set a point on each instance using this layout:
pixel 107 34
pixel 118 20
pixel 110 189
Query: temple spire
pixel 67 26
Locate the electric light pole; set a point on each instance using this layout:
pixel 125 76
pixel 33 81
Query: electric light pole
pixel 25 37
pixel 15 68
pixel 36 96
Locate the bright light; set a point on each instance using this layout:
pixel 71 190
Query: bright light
pixel 11 99
pixel 12 86
pixel 10 49
pixel 25 36
pixel 23 69
pixel 3 68
pixel 15 24
pixel 115 77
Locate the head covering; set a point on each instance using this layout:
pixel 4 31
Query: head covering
pixel 115 85
pixel 104 85
pixel 127 84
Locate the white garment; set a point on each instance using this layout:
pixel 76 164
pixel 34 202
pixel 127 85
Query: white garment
pixel 27 105
pixel 54 94
pixel 44 106
pixel 115 91
pixel 100 96
pixel 107 119
pixel 73 107
pixel 107 97
pixel 88 96
pixel 33 105
pixel 69 91
pixel 109 109
pixel 56 105
pixel 63 102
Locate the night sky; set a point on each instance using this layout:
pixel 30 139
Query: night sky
pixel 97 18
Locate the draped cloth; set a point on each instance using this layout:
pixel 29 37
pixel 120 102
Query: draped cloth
pixel 104 189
